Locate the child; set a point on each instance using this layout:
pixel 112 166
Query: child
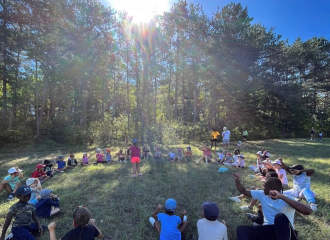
pixel 121 155
pixel 320 135
pixel 99 156
pixel 277 166
pixel 61 164
pixel 145 152
pixel 39 173
pixel 301 183
pixel 48 169
pixel 221 156
pixel 168 225
pixel 259 166
pixel 188 154
pixel 135 160
pixel 179 155
pixel 11 182
pixel 158 153
pixel 85 159
pixel 72 162
pixel 207 157
pixel 35 186
pixel 239 144
pixel 107 154
pixel 241 161
pixel 84 227
pixel 228 160
pixel 171 155
pixel 48 205
pixel 24 214
pixel 209 228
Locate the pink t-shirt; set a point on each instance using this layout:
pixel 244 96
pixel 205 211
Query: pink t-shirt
pixel 207 152
pixel 135 151
pixel 99 157
pixel 85 160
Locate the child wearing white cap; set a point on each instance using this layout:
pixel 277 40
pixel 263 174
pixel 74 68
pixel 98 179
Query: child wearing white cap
pixel 167 224
pixel 209 228
pixel 11 182
pixel 35 186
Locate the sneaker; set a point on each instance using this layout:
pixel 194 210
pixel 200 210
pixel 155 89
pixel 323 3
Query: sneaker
pixel 313 207
pixel 246 208
pixel 10 237
pixel 251 216
pixel 185 218
pixel 236 199
pixel 10 197
pixel 152 221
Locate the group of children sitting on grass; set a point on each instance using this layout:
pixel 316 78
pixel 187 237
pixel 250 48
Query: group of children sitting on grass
pixel 274 217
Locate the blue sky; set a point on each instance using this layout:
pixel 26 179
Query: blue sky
pixel 290 18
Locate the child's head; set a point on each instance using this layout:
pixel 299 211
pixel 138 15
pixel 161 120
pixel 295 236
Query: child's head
pixel 259 154
pixel 23 193
pixel 157 148
pixel 239 142
pixel 84 155
pixel 13 171
pixel 228 154
pixel 220 151
pixel 108 150
pixel 271 174
pixel 189 148
pixel 170 206
pixel 237 151
pixel 98 150
pixel 46 162
pixel 179 150
pixel 210 211
pixel 31 182
pixel 45 193
pixel 40 167
pixel 272 184
pixel 277 164
pixel 61 158
pixel 81 216
pixel 297 167
pixel 71 155
pixel 134 142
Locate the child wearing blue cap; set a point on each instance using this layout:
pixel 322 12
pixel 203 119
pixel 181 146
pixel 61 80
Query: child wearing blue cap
pixel 167 224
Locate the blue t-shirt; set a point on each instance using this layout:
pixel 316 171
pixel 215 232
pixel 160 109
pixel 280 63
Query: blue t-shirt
pixel 172 155
pixel 271 207
pixel 169 225
pixel 60 164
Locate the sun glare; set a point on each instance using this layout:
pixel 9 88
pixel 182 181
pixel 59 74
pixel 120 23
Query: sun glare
pixel 140 10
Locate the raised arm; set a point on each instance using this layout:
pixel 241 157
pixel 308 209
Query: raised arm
pixel 154 215
pixel 298 206
pixel 285 166
pixel 240 187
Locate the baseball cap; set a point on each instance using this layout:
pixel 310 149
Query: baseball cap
pixel 170 205
pixel 45 193
pixel 29 181
pixel 219 150
pixel 134 141
pixel 40 166
pixel 189 148
pixel 108 149
pixel 23 191
pixel 179 150
pixel 13 170
pixel 267 154
pixel 98 149
pixel 71 155
pixel 259 153
pixel 60 157
pixel 224 128
pixel 277 162
pixel 211 211
pixel 229 154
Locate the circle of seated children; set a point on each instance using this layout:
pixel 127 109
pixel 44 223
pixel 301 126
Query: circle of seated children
pixel 273 174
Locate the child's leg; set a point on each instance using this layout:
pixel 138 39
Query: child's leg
pixel 200 159
pixel 16 187
pixel 157 226
pixel 6 187
pixel 54 210
pixel 22 233
pixel 308 195
pixel 134 169
pixel 138 168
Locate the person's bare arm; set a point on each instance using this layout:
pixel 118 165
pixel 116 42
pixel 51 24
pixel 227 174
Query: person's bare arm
pixel 92 222
pixel 19 173
pixel 285 166
pixel 154 215
pixel 6 225
pixel 38 187
pixel 240 187
pixel 7 181
pixel 51 228
pixel 298 206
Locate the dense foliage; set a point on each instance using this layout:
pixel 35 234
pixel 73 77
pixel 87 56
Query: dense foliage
pixel 77 72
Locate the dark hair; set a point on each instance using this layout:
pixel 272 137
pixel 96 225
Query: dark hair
pixel 272 174
pixel 81 216
pixel 274 184
pixel 169 212
pixel 297 167
pixel 237 151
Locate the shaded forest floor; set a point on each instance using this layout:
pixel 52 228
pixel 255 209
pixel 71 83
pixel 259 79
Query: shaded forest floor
pixel 122 205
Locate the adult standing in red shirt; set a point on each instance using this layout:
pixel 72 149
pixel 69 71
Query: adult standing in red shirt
pixel 135 159
pixel 39 173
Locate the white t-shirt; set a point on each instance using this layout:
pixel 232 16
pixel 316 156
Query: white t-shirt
pixel 211 230
pixel 225 135
pixel 220 155
pixel 301 181
pixel 271 207
pixel 284 179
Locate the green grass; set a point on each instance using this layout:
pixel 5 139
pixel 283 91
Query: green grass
pixel 122 205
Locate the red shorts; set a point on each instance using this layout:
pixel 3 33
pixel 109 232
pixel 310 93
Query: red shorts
pixel 135 159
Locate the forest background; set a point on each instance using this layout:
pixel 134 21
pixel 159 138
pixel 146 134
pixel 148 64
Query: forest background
pixel 75 72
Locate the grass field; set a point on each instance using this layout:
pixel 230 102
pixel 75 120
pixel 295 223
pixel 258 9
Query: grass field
pixel 122 205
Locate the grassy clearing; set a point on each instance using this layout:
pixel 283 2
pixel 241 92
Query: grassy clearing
pixel 122 205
